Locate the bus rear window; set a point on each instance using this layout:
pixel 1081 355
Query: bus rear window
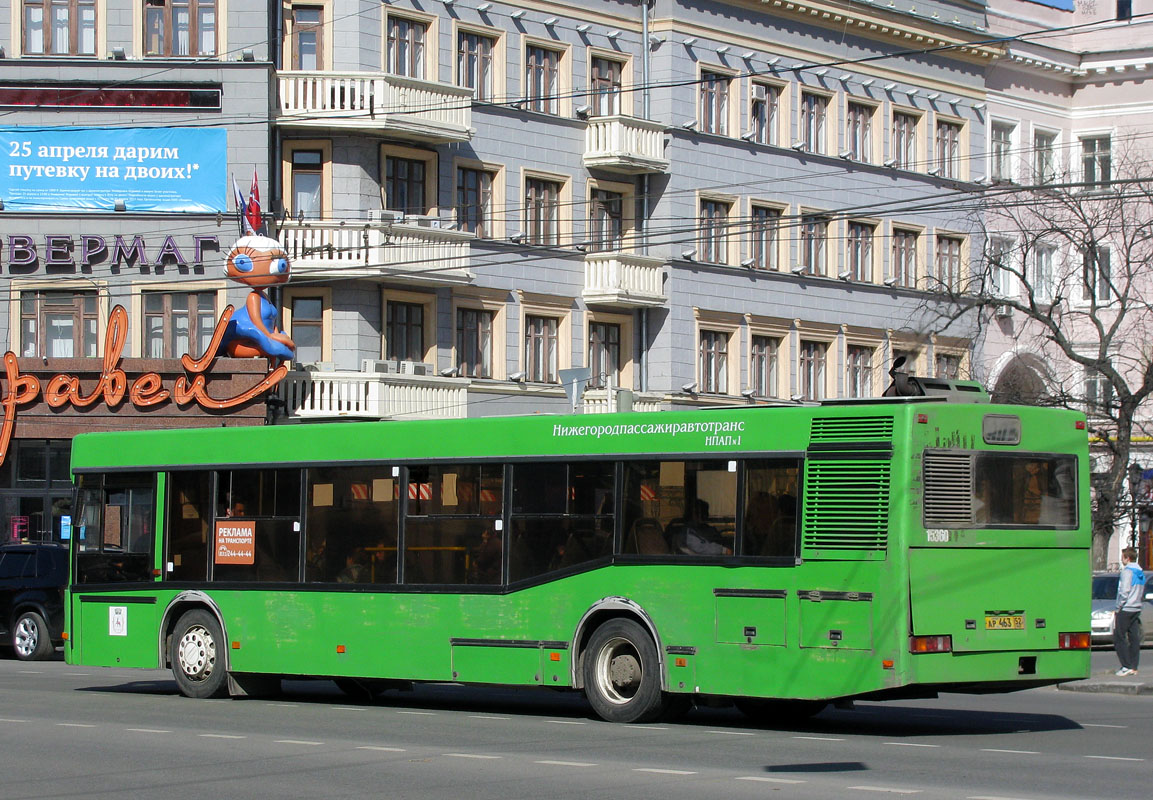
pixel 1000 490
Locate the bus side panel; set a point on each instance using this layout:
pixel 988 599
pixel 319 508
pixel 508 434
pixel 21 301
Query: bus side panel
pixel 115 631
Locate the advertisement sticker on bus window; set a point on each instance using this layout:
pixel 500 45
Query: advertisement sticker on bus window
pixel 1001 429
pixel 117 620
pixel 382 491
pixel 235 541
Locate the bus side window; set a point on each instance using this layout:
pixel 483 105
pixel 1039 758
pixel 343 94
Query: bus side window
pixel 116 536
pixel 770 513
pixel 189 523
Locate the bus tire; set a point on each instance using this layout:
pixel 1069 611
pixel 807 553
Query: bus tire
pixel 778 712
pixel 30 637
pixel 621 671
pixel 196 653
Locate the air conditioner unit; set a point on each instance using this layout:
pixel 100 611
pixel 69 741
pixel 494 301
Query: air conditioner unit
pixel 1003 311
pixel 422 221
pixel 415 368
pixel 316 366
pixel 384 215
pixel 377 365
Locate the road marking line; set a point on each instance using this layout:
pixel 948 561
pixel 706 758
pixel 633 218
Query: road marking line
pixel 349 708
pixel 566 722
pixel 221 736
pixel 911 744
pixel 296 741
pixel 761 779
pixel 566 763
pixel 5 719
pixel 819 738
pixel 471 755
pixel 1012 752
pixel 418 713
pixel 382 749
pixel 77 674
pixel 1115 758
pixel 992 797
pixel 486 716
pixel 146 730
pixel 75 725
pixel 31 672
pixel 646 727
pixel 1098 725
pixel 733 733
pixel 284 705
pixel 889 789
pixel 665 771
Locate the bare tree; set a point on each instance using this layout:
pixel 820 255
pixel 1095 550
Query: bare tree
pixel 1064 280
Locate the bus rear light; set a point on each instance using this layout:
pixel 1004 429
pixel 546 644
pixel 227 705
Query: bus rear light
pixel 554 656
pixel 930 644
pixel 923 419
pixel 64 636
pixel 1079 424
pixel 680 662
pixel 1073 641
pixel 236 645
pixel 887 663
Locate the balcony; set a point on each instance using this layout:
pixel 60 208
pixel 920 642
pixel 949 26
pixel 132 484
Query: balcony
pixel 599 401
pixel 377 103
pixel 405 251
pixel 371 395
pixel 623 279
pixel 625 144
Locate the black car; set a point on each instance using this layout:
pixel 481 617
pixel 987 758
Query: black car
pixel 32 580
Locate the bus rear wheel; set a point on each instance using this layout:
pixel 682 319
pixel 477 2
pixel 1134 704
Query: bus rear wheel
pixel 195 653
pixel 622 674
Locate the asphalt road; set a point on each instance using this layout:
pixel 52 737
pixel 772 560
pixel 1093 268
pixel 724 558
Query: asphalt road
pixel 110 733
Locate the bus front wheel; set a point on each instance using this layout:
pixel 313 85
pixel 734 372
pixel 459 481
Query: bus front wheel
pixel 196 656
pixel 622 674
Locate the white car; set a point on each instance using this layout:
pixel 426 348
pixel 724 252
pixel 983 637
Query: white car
pixel 1104 603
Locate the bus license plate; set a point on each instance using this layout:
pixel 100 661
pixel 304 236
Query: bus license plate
pixel 1011 622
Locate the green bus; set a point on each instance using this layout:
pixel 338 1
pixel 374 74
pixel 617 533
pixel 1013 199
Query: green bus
pixel 780 557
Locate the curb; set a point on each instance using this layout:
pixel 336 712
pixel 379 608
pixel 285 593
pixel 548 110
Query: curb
pixel 1099 686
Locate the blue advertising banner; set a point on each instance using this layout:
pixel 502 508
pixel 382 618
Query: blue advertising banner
pixel 73 170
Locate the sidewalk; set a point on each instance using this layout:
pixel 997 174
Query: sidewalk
pixel 1106 681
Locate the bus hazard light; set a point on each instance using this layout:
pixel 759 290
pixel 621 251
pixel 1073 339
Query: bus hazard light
pixel 1073 641
pixel 930 644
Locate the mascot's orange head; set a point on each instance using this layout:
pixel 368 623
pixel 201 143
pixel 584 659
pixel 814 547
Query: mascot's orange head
pixel 257 261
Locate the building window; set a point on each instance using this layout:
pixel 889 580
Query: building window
pixel 176 323
pixel 860 252
pixel 542 205
pixel 765 229
pixel 1098 392
pixel 404 331
pixel 1044 163
pixel 859 132
pixel 763 366
pixel 606 87
pixel 1097 286
pixel 1000 168
pixel 1041 276
pixel 859 371
pixel 1000 267
pixel 474 66
pixel 60 27
pixel 949 263
pixel 948 366
pixel 474 342
pixel 715 103
pixel 406 47
pixel 814 233
pixel 540 348
pixel 714 223
pixel 812 125
pixel 904 266
pixel 713 364
pixel 307 179
pixel 541 78
pixel 948 149
pixel 307 37
pixel 474 201
pixel 1096 170
pixel 763 113
pixel 58 324
pixel 404 185
pixel 180 27
pixel 606 222
pixel 904 140
pixel 604 354
pixel 813 370
pixel 308 328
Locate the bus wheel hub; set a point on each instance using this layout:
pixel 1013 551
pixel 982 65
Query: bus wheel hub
pixel 624 671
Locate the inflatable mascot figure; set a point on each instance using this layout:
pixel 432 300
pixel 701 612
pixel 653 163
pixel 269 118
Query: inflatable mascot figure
pixel 257 262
